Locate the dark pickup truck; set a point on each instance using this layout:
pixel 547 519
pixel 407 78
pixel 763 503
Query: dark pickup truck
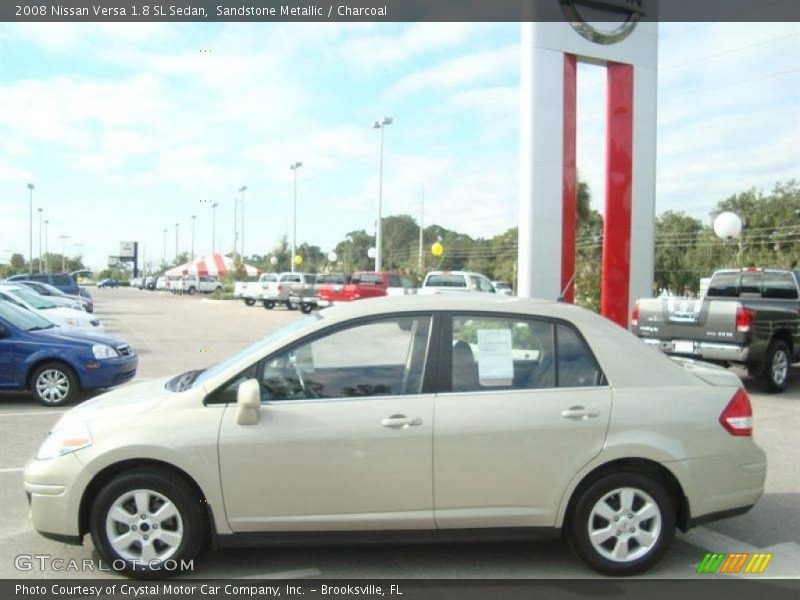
pixel 749 317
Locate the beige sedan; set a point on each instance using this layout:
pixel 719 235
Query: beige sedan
pixel 406 418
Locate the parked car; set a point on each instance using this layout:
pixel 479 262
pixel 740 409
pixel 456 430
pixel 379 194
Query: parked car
pixel 86 294
pixel 150 283
pixel 288 288
pixel 60 298
pixel 162 284
pixel 503 287
pixel 490 415
pixel 749 317
pixel 59 315
pixel 252 291
pixel 200 284
pixel 445 282
pixel 56 363
pixel 62 281
pixel 108 283
pixel 311 299
pixel 365 284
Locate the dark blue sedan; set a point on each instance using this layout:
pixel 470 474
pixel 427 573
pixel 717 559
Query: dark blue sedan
pixel 55 363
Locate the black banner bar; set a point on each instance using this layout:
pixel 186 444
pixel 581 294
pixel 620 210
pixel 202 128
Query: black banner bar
pixel 396 10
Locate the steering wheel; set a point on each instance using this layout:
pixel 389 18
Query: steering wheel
pixel 307 391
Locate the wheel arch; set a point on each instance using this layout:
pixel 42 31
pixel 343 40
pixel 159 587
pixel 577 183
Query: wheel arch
pixel 43 360
pixel 786 337
pixel 638 465
pixel 108 473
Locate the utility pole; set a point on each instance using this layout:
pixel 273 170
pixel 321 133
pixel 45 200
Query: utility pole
pixel 294 166
pixel 242 189
pixel 46 252
pixel 164 258
pixel 193 219
pixel 421 228
pixel 176 243
pixel 235 226
pixel 30 226
pixel 214 228
pixel 64 239
pixel 40 239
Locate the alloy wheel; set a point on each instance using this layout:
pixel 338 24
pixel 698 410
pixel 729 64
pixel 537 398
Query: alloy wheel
pixel 780 367
pixel 52 386
pixel 144 526
pixel 624 525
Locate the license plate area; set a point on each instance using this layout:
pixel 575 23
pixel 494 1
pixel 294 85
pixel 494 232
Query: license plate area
pixel 683 347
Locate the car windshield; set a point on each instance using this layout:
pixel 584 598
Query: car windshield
pixel 21 318
pixel 445 281
pixel 31 298
pixel 212 372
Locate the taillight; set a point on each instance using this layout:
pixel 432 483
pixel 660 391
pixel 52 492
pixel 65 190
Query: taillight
pixel 737 418
pixel 744 319
pixel 635 314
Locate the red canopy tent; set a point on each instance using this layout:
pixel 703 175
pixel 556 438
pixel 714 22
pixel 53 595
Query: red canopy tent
pixel 213 265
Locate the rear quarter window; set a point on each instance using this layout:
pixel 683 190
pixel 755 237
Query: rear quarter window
pixel 779 286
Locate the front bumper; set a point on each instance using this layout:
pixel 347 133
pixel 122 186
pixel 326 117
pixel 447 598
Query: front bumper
pixel 54 488
pixel 109 372
pixel 703 350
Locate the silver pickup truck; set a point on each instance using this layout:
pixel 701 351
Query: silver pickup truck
pixel 288 289
pixel 748 316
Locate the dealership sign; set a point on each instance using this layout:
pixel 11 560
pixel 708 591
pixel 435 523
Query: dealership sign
pixel 579 12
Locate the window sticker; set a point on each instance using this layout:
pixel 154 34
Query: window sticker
pixel 495 358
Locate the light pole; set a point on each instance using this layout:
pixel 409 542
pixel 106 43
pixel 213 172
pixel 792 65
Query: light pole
pixel 379 228
pixel 30 226
pixel 40 239
pixel 176 243
pixel 46 252
pixel 64 239
pixel 193 219
pixel 242 189
pixel 214 228
pixel 421 227
pixel 294 166
pixel 164 258
pixel 235 225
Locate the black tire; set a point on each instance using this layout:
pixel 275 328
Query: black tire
pixel 192 291
pixel 774 379
pixel 172 488
pixel 268 304
pixel 579 524
pixel 306 308
pixel 249 301
pixel 290 306
pixel 55 372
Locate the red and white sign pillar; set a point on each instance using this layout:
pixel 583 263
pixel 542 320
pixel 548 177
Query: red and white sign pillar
pixel 548 182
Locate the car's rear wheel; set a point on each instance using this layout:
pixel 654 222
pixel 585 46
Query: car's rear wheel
pixel 269 304
pixel 306 308
pixel 144 523
pixel 622 524
pixel 54 384
pixel 775 373
pixel 192 291
pixel 249 301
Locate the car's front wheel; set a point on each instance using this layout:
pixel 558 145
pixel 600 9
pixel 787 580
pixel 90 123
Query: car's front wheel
pixel 249 301
pixel 269 304
pixel 54 384
pixel 622 524
pixel 144 523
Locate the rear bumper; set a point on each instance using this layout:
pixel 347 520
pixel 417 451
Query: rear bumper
pixel 703 350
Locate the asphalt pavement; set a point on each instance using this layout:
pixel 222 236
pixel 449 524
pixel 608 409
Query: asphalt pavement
pixel 174 334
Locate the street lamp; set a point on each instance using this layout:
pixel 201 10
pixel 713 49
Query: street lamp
pixel 294 166
pixel 40 239
pixel 243 189
pixel 30 226
pixel 379 233
pixel 193 219
pixel 214 228
pixel 164 258
pixel 235 226
pixel 176 243
pixel 64 239
pixel 46 252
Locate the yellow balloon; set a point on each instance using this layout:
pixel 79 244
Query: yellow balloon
pixel 437 249
pixel 298 260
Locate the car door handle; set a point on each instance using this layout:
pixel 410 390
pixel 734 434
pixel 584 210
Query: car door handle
pixel 579 413
pixel 400 422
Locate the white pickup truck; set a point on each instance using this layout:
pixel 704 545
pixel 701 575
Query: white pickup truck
pixel 253 291
pixel 199 284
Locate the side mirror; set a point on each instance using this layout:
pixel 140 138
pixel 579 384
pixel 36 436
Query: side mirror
pixel 248 402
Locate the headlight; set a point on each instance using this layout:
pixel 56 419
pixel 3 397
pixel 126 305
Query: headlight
pixel 103 351
pixel 65 439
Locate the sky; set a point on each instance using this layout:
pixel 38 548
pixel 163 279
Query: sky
pixel 127 129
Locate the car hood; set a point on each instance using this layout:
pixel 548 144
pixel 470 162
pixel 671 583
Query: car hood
pixel 62 313
pixel 77 336
pixel 121 402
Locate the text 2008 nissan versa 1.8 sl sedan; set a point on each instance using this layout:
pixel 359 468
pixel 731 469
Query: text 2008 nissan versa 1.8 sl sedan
pixel 404 417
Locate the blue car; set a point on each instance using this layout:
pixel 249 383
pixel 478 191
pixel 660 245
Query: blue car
pixel 55 364
pixel 62 281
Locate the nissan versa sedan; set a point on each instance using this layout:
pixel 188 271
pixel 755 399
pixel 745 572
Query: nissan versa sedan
pixel 401 417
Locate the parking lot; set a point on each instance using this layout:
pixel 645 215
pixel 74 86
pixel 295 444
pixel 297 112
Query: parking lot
pixel 173 334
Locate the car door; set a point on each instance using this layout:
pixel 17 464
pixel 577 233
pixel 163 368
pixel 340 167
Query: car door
pixel 6 355
pixel 523 407
pixel 344 437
